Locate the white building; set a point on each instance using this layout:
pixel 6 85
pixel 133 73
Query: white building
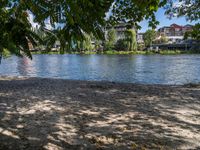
pixel 120 29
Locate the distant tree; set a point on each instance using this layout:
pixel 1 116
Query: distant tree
pixel 194 34
pixel 148 37
pixel 85 44
pixel 162 40
pixel 111 39
pixel 141 46
pixel 97 44
pixel 130 38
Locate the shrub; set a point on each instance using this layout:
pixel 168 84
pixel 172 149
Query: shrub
pixel 121 45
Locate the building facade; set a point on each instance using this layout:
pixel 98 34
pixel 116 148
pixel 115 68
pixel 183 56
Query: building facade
pixel 140 37
pixel 174 33
pixel 120 30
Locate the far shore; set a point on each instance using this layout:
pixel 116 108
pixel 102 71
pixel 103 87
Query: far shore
pixel 43 113
pixel 139 52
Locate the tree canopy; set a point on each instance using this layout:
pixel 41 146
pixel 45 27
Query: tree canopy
pixel 134 11
pixel 111 39
pixel 130 38
pixel 68 19
pixel 15 30
pixel 188 8
pixel 149 36
pixel 195 33
pixel 72 19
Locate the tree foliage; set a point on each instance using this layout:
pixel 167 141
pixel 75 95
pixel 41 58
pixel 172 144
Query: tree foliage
pixel 130 38
pixel 188 8
pixel 15 31
pixel 134 11
pixel 121 45
pixel 111 39
pixel 74 17
pixel 85 44
pixel 195 33
pixel 149 36
pixel 162 40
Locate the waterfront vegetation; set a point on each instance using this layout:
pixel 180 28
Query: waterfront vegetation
pixel 125 44
pixel 112 52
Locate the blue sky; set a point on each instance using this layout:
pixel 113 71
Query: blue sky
pixel 164 21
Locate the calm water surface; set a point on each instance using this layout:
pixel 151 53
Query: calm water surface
pixel 147 69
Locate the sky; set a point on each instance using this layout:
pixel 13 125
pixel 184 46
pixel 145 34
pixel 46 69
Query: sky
pixel 164 21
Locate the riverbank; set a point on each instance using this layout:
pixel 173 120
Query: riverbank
pixel 41 113
pixel 162 52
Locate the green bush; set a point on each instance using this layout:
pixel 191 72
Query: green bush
pixel 141 47
pixel 121 45
pixel 111 39
pixel 170 52
pixel 148 37
pixel 6 53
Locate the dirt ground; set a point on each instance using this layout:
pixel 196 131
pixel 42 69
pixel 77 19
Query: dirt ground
pixel 57 114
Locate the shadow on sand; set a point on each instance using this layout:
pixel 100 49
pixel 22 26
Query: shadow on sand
pixel 61 114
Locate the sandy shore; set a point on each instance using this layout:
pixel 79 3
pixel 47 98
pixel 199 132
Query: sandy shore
pixel 59 114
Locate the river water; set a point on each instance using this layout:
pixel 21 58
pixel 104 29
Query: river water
pixel 145 69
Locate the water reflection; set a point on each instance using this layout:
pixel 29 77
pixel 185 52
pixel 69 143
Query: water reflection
pixel 25 66
pixel 152 69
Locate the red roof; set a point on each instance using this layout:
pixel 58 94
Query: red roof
pixel 176 26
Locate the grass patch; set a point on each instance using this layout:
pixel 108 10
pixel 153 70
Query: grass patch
pixel 112 52
pixel 6 53
pixel 170 52
pixel 127 52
